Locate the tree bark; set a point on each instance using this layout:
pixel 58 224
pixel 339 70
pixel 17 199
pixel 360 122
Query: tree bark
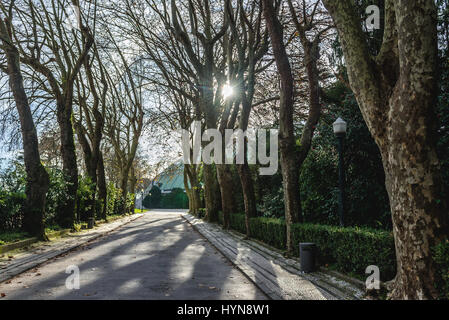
pixel 311 54
pixel 102 188
pixel 191 175
pixel 91 168
pixel 90 141
pixel 289 168
pixel 396 92
pixel 227 199
pixel 66 208
pixel 124 188
pixel 249 197
pixel 211 193
pixel 132 189
pixel 37 181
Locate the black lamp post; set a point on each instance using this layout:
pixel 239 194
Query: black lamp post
pixel 340 131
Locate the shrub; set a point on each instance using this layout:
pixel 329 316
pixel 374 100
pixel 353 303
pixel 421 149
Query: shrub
pixel 84 193
pixel 57 193
pixel 272 204
pixel 114 200
pixel 130 202
pixel 11 213
pixel 12 196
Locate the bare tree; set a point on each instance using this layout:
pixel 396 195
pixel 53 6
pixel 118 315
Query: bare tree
pixel 46 46
pixel 251 44
pixel 37 178
pixel 290 170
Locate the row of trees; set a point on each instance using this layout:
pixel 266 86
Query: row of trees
pixel 82 93
pixel 131 63
pixel 393 74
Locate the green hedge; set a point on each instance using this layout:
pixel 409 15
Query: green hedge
pixel 441 258
pixel 348 249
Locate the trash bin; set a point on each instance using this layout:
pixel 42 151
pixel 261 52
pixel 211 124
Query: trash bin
pixel 90 223
pixel 307 253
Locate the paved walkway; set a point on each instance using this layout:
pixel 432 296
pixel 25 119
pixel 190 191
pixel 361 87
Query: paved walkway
pixel 14 263
pixel 278 277
pixel 158 256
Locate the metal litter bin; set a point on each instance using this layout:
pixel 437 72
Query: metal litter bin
pixel 307 253
pixel 90 223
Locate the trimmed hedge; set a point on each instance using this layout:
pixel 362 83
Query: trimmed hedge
pixel 348 249
pixel 441 258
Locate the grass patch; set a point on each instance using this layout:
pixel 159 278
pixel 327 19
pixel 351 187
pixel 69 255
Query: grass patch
pixel 52 228
pixel 12 236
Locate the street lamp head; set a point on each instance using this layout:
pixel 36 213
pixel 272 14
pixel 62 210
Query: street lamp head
pixel 340 127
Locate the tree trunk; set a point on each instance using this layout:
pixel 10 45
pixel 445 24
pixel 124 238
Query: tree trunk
pixel 196 188
pixel 289 168
pixel 37 178
pixel 227 200
pixel 124 187
pixel 191 175
pixel 102 188
pixel 249 197
pixel 396 92
pixel 66 209
pixel 91 168
pixel 211 188
pixel 133 181
pixel 188 190
pixel 211 193
pixel 311 54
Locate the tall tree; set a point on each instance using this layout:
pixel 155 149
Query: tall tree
pixel 124 121
pixel 251 45
pixel 37 180
pixel 310 19
pixel 396 91
pixel 89 125
pixel 201 53
pixel 46 45
pixel 290 170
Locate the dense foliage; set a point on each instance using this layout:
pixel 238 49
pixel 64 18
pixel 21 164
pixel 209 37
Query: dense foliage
pixel 441 257
pixel 12 197
pixel 366 197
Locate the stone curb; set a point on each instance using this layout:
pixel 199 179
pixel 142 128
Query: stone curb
pixel 17 245
pixel 53 234
pixel 330 285
pixel 34 261
pixel 26 242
